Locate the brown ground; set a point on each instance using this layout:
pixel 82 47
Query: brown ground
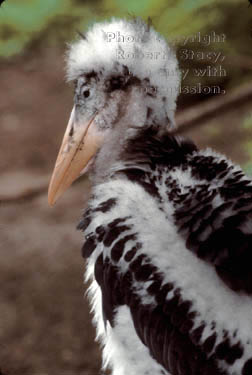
pixel 45 324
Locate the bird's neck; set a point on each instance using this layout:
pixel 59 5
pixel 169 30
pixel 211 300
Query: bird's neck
pixel 141 152
pixel 154 146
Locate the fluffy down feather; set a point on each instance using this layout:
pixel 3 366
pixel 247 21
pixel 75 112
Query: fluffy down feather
pixel 102 54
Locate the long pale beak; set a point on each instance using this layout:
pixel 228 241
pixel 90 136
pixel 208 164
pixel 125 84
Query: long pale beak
pixel 80 143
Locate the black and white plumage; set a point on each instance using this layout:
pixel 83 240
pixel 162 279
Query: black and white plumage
pixel 167 229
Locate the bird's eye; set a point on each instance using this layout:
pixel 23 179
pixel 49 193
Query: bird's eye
pixel 86 93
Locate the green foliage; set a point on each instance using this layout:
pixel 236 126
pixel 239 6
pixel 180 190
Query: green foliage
pixel 29 23
pixel 21 21
pixel 246 145
pixel 248 169
pixel 247 123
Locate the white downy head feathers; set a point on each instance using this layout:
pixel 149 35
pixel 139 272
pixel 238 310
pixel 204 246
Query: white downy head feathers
pixel 111 46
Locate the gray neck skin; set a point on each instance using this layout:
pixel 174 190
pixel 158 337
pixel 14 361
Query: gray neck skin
pixel 133 117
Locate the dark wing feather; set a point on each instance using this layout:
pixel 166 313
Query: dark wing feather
pixel 165 327
pixel 213 213
pixel 176 350
pixel 220 234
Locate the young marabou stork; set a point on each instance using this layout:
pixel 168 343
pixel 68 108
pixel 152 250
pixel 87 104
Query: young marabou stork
pixel 168 228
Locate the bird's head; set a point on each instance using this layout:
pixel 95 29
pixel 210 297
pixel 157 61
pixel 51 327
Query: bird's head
pixel 125 77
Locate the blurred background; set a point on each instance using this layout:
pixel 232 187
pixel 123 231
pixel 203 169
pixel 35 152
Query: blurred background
pixel 45 325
